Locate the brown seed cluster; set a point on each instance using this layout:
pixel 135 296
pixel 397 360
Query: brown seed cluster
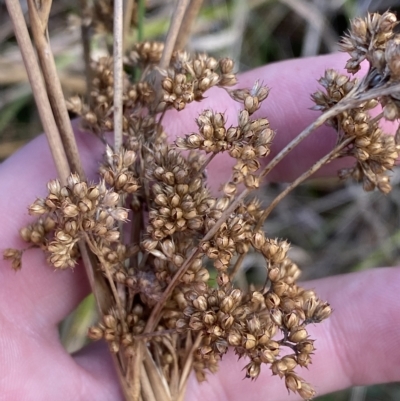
pixel 250 323
pixel 189 78
pixel 368 39
pixel 70 214
pixel 97 115
pixel 118 171
pixel 146 53
pixel 248 142
pixel 155 228
pixel 375 40
pixel 375 152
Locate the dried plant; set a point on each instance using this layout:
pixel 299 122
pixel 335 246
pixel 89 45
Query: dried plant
pixel 154 226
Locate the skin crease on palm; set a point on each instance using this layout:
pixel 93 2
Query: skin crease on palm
pixel 357 345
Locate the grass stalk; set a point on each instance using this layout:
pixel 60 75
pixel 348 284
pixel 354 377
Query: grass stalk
pixel 38 18
pixel 173 32
pixel 39 90
pixel 191 13
pixel 118 72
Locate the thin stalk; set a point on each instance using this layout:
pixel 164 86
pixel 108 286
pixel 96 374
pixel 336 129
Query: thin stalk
pixel 50 128
pixel 96 279
pixel 38 19
pixel 324 160
pixel 187 24
pixel 118 73
pixel 146 387
pixel 173 32
pixel 204 166
pixel 39 90
pixel 141 12
pixel 187 368
pixel 128 10
pixel 237 265
pixel 92 245
pixel 155 334
pixel 174 375
pixel 160 385
pixel 135 366
pixel 85 35
pixel 377 118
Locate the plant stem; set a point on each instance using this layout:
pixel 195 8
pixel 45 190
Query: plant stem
pixel 118 73
pixel 324 160
pixel 187 24
pixel 237 265
pixel 128 10
pixel 38 19
pixel 188 364
pixel 85 35
pixel 160 387
pixel 173 32
pixel 141 12
pixel 39 90
pixel 204 166
pixel 50 128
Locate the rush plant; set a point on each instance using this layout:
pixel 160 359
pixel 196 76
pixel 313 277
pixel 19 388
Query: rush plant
pixel 149 228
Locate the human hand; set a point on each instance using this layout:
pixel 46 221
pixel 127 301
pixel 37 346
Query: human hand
pixel 359 344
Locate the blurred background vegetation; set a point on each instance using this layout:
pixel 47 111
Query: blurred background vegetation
pixel 334 227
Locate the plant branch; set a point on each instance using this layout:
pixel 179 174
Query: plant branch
pixel 324 160
pixel 187 24
pixel 173 32
pixel 160 386
pixel 85 35
pixel 237 265
pixel 136 370
pixel 38 89
pixel 118 73
pixel 38 19
pixel 146 387
pixel 188 364
pixel 50 128
pixel 128 10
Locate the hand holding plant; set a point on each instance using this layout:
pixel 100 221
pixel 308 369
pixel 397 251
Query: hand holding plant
pixel 161 315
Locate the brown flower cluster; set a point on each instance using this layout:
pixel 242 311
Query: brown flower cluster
pixel 375 40
pixel 155 229
pixel 372 39
pixel 189 78
pixel 250 322
pixel 97 115
pixel 71 213
pixel 163 191
pixel 146 54
pixel 375 151
pixel 248 142
pixel 369 39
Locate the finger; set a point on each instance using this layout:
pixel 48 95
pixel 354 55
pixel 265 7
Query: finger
pixel 35 367
pixel 358 345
